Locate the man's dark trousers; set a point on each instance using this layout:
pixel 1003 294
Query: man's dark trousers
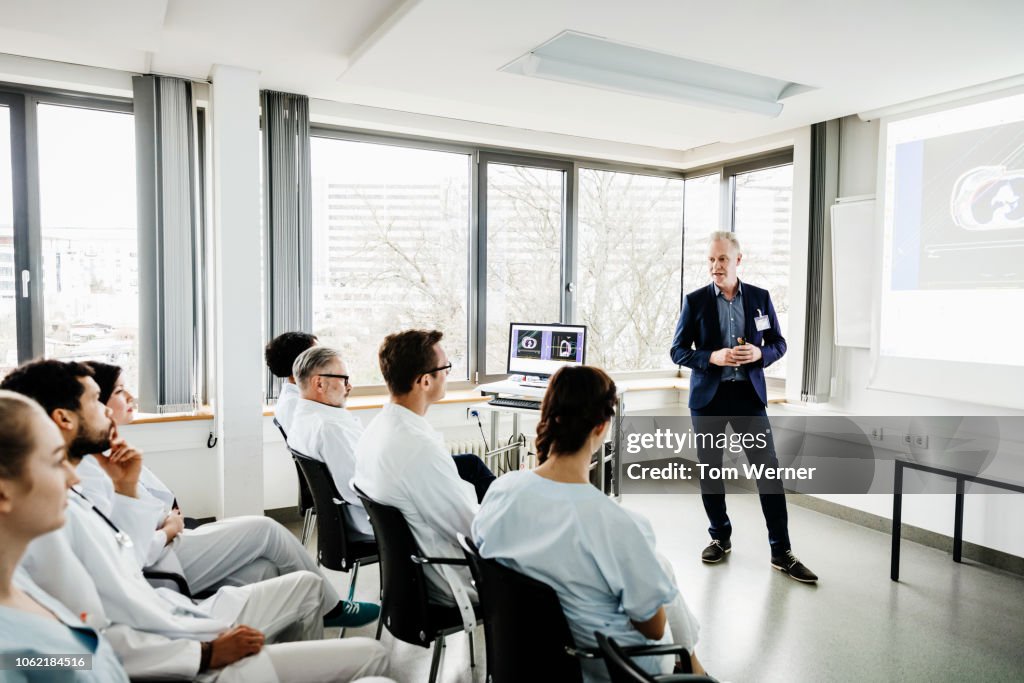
pixel 737 403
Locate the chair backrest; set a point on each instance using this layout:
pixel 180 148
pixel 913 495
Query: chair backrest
pixel 305 497
pixel 334 549
pixel 525 628
pixel 404 609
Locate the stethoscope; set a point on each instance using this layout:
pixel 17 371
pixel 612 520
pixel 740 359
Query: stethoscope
pixel 122 538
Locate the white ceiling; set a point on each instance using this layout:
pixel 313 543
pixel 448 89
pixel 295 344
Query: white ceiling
pixel 442 57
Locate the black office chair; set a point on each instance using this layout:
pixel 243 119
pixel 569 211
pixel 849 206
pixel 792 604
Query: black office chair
pixel 404 608
pixel 522 614
pixel 622 669
pixel 306 508
pixel 526 635
pixel 334 549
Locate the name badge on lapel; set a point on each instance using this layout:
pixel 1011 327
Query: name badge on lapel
pixel 761 322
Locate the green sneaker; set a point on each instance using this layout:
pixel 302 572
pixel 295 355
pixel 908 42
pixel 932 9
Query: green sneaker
pixel 352 614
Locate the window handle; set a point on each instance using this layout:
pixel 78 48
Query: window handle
pixel 26 277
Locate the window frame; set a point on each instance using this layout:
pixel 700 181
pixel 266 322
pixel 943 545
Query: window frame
pixel 567 264
pixel 23 102
pixel 480 156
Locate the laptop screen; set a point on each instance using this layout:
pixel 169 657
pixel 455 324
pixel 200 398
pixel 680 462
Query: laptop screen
pixel 540 350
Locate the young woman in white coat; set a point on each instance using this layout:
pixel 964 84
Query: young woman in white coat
pixel 34 479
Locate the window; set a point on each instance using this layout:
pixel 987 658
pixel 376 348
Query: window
pixel 525 209
pixel 432 234
pixel 629 257
pixel 8 280
pixel 89 235
pixel 700 218
pixel 390 249
pixel 763 202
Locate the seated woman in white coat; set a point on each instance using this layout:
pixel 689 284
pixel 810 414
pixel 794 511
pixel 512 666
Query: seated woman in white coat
pixel 89 566
pixel 237 551
pixel 551 524
pixel 34 480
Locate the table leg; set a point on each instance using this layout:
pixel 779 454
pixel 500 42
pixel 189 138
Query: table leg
pixel 495 419
pixel 958 521
pixel 515 435
pixel 897 520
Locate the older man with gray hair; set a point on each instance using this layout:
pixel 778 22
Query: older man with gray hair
pixel 322 429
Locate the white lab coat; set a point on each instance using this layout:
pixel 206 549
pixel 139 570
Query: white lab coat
pixel 94 575
pixel 286 404
pixel 330 434
pixel 401 461
pixel 233 552
pixel 156 632
pixel 139 517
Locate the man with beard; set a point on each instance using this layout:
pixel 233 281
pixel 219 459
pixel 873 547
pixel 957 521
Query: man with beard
pixel 241 633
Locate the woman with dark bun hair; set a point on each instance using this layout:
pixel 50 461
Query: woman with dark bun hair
pixel 552 525
pixel 34 480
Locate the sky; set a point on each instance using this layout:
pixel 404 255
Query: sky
pixel 86 168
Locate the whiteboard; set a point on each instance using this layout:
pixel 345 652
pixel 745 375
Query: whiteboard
pixel 854 264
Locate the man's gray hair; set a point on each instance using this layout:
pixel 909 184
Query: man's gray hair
pixel 726 236
pixel 310 362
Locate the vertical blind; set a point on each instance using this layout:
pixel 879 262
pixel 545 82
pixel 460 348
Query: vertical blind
pixel 816 386
pixel 287 208
pixel 170 340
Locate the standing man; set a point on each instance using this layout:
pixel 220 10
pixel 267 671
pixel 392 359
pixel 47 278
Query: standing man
pixel 727 335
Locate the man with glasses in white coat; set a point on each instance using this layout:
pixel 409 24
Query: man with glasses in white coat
pixel 401 461
pixel 322 429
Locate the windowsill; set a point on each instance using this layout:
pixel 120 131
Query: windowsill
pixel 375 401
pixel 155 418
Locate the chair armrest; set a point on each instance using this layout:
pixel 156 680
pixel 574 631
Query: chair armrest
pixel 439 560
pixel 648 650
pixel 632 651
pixel 173 577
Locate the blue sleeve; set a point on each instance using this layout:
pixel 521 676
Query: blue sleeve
pixel 630 566
pixel 683 352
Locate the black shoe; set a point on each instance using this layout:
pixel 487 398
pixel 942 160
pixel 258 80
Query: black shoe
pixel 716 551
pixel 794 568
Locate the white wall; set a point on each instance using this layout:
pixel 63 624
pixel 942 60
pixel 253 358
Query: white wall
pixel 986 517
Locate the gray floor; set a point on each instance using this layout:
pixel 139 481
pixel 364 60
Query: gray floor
pixel 942 622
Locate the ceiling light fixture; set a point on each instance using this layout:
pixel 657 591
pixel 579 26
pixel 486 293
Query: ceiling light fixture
pixel 586 60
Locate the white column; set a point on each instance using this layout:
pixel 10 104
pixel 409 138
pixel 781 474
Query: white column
pixel 238 403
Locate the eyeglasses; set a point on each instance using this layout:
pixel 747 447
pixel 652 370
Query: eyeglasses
pixel 341 377
pixel 447 370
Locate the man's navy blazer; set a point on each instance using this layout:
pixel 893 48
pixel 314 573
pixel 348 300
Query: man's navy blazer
pixel 699 333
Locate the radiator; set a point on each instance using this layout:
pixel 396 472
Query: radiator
pixel 496 463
